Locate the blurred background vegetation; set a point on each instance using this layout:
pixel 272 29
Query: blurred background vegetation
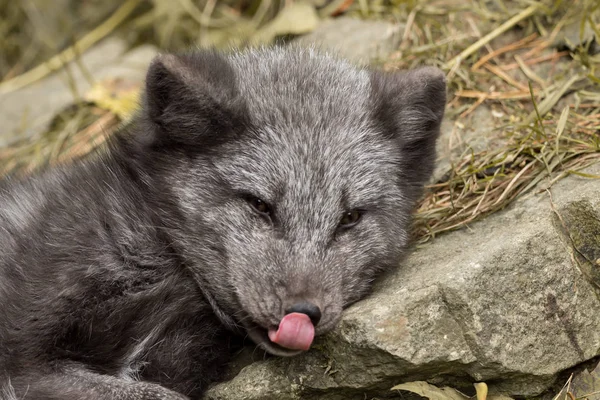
pixel 533 65
pixel 32 31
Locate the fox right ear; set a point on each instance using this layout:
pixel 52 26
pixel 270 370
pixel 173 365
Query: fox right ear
pixel 409 107
pixel 192 98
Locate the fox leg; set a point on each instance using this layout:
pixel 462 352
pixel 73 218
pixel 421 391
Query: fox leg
pixel 78 383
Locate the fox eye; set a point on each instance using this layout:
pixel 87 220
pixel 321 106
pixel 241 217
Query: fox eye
pixel 259 205
pixel 350 219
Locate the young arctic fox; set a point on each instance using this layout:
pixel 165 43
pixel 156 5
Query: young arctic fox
pixel 258 193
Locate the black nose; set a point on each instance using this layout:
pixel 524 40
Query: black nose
pixel 313 312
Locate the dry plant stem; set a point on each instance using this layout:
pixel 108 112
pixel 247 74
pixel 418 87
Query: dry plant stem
pixel 567 384
pixel 71 52
pixel 511 47
pixel 91 137
pixel 409 24
pixel 485 192
pixel 512 183
pixel 201 17
pixel 473 107
pixel 261 12
pixel 549 102
pixel 529 11
pixel 516 95
pixel 206 14
pixel 537 60
pixel 332 7
pixel 529 72
pixel 504 76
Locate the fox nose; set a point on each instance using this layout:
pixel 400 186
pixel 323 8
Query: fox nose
pixel 313 311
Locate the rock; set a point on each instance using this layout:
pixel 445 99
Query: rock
pixel 573 35
pixel 584 384
pixel 358 40
pixel 475 133
pixel 511 301
pixel 26 112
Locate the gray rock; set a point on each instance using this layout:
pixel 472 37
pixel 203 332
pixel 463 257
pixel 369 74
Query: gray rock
pixel 358 40
pixel 477 132
pixel 572 36
pixel 585 384
pixel 510 301
pixel 27 111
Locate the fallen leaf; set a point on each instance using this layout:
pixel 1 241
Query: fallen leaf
pixel 295 19
pixel 115 95
pixel 482 390
pixel 430 391
pixel 447 393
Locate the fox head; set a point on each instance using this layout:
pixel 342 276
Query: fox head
pixel 294 175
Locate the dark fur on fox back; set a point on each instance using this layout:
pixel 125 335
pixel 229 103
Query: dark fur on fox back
pixel 124 275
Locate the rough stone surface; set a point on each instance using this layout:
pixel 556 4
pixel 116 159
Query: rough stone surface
pixel 358 40
pixel 504 302
pixel 27 111
pixel 475 133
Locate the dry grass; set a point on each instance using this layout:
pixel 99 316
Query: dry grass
pixel 487 181
pixel 74 133
pixel 510 60
pixel 505 57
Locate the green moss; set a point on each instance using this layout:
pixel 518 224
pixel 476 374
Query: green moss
pixel 582 225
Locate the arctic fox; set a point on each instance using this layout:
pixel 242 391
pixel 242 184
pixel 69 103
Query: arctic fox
pixel 259 193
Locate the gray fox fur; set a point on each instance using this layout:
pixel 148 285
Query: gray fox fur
pixel 250 182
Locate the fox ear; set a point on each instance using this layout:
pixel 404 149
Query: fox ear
pixel 192 98
pixel 409 108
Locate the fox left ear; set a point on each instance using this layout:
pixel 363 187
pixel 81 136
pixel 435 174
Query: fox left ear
pixel 192 99
pixel 409 108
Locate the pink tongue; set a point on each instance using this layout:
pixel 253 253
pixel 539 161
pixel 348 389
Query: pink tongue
pixel 295 332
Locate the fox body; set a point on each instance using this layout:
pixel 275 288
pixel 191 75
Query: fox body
pixel 258 193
